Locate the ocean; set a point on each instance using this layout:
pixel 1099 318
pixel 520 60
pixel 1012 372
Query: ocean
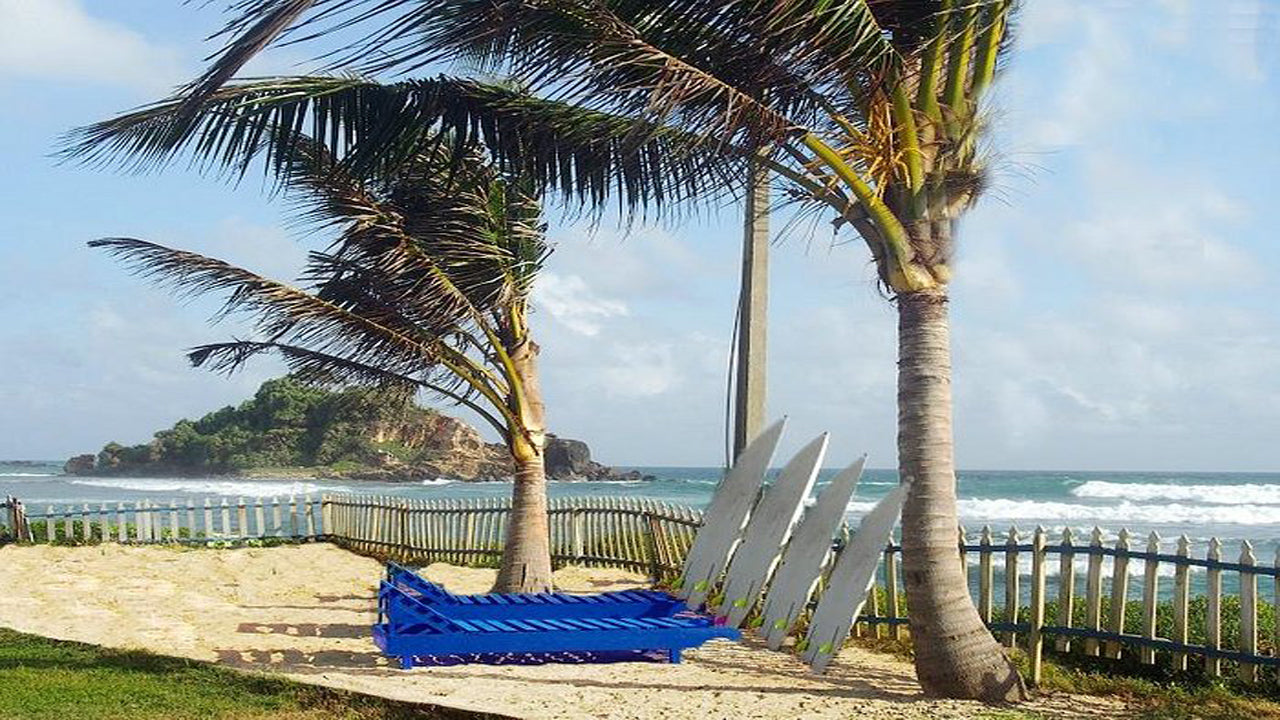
pixel 1229 506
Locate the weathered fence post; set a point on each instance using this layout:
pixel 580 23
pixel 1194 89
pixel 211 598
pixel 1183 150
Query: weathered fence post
pixel 225 516
pixel 277 519
pixel 891 588
pixel 1012 589
pixel 1150 595
pixel 651 525
pixel 1066 588
pixel 23 523
pixel 1035 638
pixel 986 577
pixel 1275 642
pixel 1213 609
pixel 1181 600
pixel 1248 611
pixel 402 516
pixel 1093 591
pixel 579 533
pixel 326 514
pixel 309 515
pixel 1119 591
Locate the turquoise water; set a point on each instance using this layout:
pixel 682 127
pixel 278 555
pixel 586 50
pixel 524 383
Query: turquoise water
pixel 1230 506
pixel 1233 507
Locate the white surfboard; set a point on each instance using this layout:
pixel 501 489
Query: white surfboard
pixel 725 516
pixel 850 581
pixel 803 558
pixel 767 530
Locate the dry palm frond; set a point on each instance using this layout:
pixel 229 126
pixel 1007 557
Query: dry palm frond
pixel 416 291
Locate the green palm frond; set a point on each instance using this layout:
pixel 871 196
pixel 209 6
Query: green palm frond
pixel 868 106
pixel 425 284
pixel 278 310
pixel 373 129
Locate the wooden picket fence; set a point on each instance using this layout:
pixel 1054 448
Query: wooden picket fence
pixel 13 521
pixel 182 522
pixel 654 537
pixel 632 533
pixel 1110 633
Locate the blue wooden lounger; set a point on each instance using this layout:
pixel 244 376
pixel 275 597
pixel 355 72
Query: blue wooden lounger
pixel 627 603
pixel 417 633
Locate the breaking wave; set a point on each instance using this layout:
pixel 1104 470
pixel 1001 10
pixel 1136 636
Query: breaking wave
pixel 1248 494
pixel 1126 513
pixel 205 486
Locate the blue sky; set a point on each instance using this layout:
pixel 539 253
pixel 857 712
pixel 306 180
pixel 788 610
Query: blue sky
pixel 1113 308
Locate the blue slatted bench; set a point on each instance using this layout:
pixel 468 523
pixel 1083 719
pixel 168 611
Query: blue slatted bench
pixel 416 632
pixel 626 603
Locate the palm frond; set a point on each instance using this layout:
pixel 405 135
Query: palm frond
pixel 374 129
pixel 330 371
pixel 279 311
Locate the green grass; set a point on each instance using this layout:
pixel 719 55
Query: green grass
pixel 42 679
pixel 1152 700
pixel 1151 692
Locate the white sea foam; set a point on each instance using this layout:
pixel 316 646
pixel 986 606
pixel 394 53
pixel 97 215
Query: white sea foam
pixel 438 481
pixel 206 486
pixel 27 474
pixel 1247 494
pixel 1123 513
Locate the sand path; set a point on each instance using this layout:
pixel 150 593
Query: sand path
pixel 305 611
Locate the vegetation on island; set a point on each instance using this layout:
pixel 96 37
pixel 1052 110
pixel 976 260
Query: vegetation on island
pixel 285 424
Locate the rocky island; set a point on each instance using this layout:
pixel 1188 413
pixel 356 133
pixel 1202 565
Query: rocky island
pixel 289 429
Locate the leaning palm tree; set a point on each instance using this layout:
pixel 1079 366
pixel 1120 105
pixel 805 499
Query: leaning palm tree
pixel 425 289
pixel 869 110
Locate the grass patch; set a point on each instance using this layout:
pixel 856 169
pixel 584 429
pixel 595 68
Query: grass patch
pixel 1158 697
pixel 42 679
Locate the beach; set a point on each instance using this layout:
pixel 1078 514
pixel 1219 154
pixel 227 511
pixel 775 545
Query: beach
pixel 305 611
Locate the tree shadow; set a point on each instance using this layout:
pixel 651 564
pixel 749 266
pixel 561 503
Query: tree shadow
pixel 331 630
pixel 292 660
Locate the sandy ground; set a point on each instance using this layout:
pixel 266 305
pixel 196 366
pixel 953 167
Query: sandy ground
pixel 305 611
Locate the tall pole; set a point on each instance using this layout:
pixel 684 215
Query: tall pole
pixel 749 389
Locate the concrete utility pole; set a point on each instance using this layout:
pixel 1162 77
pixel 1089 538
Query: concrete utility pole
pixel 749 386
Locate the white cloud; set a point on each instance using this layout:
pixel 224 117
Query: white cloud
pixel 572 302
pixel 640 370
pixel 58 39
pixel 1165 245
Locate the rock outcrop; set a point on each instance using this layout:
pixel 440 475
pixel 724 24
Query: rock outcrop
pixel 80 465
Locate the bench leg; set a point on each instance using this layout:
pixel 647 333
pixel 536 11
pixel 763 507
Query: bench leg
pixel 406 662
pixel 674 653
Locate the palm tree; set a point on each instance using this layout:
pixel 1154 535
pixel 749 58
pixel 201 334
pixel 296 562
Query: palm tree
pixel 868 109
pixel 426 288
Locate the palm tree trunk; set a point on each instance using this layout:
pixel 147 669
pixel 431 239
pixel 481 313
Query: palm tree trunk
pixel 955 654
pixel 526 553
